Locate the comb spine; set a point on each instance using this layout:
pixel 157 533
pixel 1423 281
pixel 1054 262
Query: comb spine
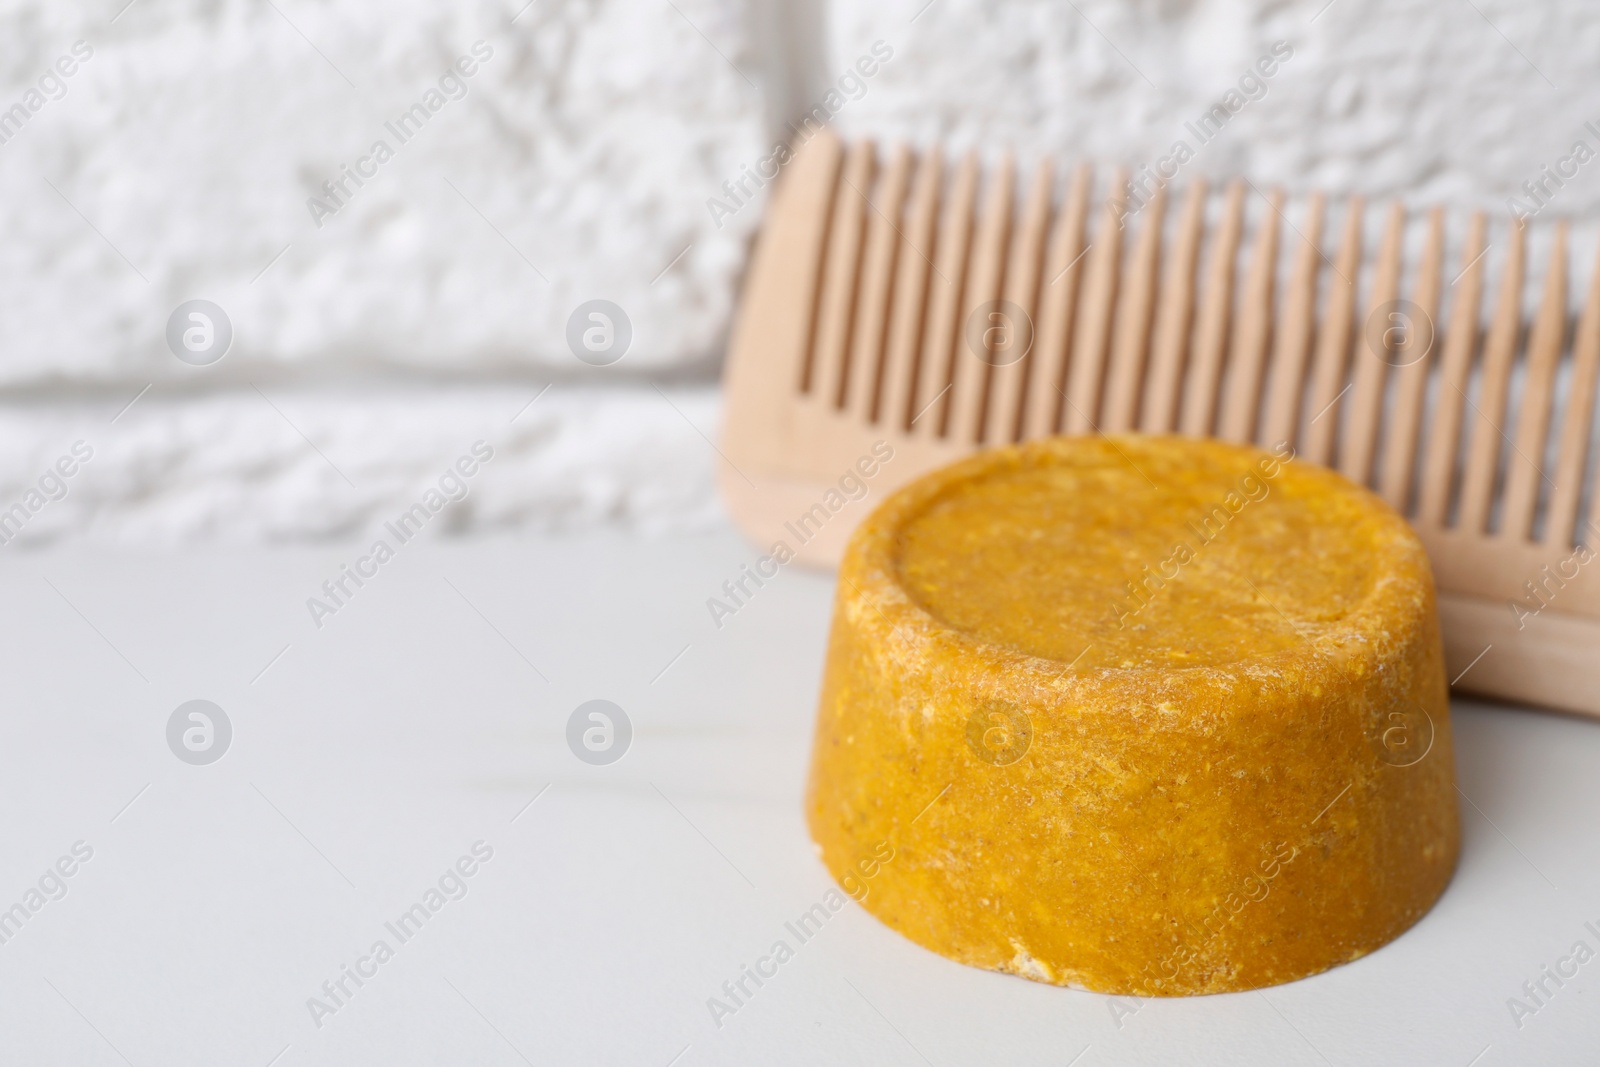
pixel 1499 350
pixel 1211 329
pixel 1533 423
pixel 1460 343
pixel 1174 317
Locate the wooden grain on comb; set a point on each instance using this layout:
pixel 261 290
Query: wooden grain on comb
pixel 1009 373
pixel 1211 329
pixel 1333 342
pixel 1242 408
pixel 859 380
pixel 1413 357
pixel 1574 447
pixel 1094 317
pixel 971 362
pixel 1489 411
pixel 1460 342
pixel 1545 344
pixel 1293 341
pixel 1052 346
pixel 913 268
pixel 845 240
pixel 944 306
pixel 1372 354
pixel 1174 317
pixel 1131 338
pixel 869 321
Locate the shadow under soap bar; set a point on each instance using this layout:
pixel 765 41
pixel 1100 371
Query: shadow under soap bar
pixel 1145 715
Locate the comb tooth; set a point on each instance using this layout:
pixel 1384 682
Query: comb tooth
pixel 1333 341
pixel 1008 382
pixel 1132 336
pixel 829 359
pixel 1460 341
pixel 901 367
pixel 932 405
pixel 1477 484
pixel 1058 300
pixel 1094 321
pixel 1242 407
pixel 1533 423
pixel 1174 316
pixel 861 388
pixel 1294 333
pixel 1558 531
pixel 1211 330
pixel 1400 444
pixel 969 394
pixel 810 190
pixel 1372 357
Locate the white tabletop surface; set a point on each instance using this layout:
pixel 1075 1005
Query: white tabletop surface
pixel 429 710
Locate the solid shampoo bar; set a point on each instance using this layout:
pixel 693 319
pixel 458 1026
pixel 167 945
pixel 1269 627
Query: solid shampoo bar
pixel 1142 715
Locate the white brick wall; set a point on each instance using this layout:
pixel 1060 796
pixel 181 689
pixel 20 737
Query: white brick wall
pixel 312 462
pixel 1445 102
pixel 184 152
pixel 178 162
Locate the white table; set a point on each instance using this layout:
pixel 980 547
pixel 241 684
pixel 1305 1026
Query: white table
pixel 374 752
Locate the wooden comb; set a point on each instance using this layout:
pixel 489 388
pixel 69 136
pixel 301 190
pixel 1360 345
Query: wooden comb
pixel 857 325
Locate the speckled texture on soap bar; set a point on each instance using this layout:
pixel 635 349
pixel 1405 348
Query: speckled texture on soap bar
pixel 1139 715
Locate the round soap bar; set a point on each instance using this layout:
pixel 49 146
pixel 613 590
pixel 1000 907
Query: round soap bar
pixel 1143 715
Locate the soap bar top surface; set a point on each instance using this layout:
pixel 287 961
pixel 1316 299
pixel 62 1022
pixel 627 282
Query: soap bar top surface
pixel 1143 553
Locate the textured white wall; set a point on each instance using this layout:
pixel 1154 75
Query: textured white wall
pixel 178 161
pixel 1457 102
pixel 242 466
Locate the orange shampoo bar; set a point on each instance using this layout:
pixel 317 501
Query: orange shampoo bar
pixel 1138 715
